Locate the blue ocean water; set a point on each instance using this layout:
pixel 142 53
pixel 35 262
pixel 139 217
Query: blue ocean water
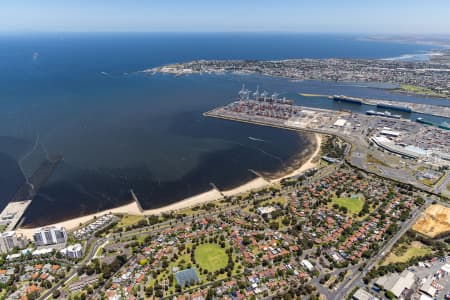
pixel 81 96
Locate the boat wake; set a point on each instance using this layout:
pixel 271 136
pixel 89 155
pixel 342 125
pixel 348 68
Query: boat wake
pixel 255 139
pixel 262 151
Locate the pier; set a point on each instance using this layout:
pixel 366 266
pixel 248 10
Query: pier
pixel 12 214
pixel 136 200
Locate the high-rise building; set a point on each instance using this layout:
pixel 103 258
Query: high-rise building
pixel 10 239
pixel 50 235
pixel 73 251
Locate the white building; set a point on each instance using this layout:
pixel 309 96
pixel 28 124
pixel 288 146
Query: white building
pixel 42 251
pixel 10 239
pixel 340 122
pixel 428 288
pixel 307 264
pixel 73 251
pixel 390 133
pixel 50 236
pixel 265 210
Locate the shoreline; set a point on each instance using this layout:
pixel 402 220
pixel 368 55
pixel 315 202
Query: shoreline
pixel 309 163
pixel 208 196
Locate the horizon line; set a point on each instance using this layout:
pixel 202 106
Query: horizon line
pixel 402 34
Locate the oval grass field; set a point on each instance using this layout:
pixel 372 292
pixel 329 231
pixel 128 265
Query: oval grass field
pixel 211 257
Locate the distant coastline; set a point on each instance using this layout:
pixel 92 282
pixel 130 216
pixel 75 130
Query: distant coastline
pixel 407 39
pixel 296 167
pixel 432 81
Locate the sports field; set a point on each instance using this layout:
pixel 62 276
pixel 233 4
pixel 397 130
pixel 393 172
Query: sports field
pixel 353 204
pixel 211 257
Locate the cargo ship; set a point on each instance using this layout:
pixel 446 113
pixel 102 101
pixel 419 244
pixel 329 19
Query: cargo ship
pixel 343 98
pixel 395 107
pixel 423 121
pixel 382 114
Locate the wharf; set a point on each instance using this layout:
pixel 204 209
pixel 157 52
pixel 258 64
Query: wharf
pixel 316 116
pixel 427 109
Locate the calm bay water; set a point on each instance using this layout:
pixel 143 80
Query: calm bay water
pixel 80 95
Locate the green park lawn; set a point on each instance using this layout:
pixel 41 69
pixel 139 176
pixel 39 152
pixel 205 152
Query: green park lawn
pixel 211 257
pixel 353 204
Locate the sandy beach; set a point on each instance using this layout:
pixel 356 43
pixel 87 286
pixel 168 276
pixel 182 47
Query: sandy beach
pixel 309 164
pixel 211 195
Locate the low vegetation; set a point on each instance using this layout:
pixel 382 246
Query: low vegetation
pixel 407 251
pixel 333 147
pixel 372 159
pixel 129 220
pixel 424 249
pixel 414 89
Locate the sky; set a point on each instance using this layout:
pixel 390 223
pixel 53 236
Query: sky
pixel 346 16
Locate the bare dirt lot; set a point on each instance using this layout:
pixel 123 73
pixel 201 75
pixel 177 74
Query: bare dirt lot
pixel 434 222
